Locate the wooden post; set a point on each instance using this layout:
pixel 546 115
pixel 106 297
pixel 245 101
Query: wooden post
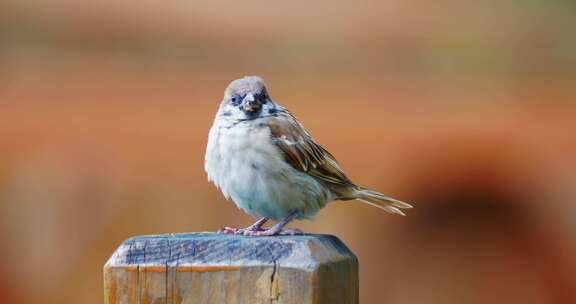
pixel 215 268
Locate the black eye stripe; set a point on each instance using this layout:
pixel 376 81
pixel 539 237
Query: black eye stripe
pixel 262 96
pixel 236 100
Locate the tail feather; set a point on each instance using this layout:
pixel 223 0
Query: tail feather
pixel 381 201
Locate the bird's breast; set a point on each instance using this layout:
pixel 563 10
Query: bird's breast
pixel 241 155
pixel 247 167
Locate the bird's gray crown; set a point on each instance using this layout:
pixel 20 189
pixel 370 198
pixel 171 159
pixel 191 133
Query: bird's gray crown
pixel 242 86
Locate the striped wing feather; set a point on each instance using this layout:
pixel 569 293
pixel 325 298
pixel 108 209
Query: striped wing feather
pixel 302 153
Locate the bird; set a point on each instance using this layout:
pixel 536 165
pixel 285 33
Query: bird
pixel 260 156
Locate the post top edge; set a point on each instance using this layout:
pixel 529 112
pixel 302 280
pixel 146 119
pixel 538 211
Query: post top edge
pixel 201 249
pixel 213 235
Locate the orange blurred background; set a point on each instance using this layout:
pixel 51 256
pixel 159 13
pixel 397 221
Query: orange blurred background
pixel 465 108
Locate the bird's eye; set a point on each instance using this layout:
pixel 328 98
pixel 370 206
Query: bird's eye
pixel 235 100
pixel 263 97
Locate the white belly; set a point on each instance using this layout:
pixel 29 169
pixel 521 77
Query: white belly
pixel 248 168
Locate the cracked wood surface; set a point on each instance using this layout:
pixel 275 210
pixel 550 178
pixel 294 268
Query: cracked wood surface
pixel 215 268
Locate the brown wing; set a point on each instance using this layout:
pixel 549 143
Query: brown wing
pixel 302 153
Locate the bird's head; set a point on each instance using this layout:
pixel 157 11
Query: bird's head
pixel 246 98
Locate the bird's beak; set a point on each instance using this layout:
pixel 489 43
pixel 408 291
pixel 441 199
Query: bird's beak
pixel 250 104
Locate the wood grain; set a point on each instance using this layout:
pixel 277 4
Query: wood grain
pixel 215 268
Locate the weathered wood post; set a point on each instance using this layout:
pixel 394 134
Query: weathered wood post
pixel 215 268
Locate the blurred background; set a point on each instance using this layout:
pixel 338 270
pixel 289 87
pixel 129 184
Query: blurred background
pixel 464 108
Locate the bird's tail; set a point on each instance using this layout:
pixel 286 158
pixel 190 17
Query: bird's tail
pixel 381 201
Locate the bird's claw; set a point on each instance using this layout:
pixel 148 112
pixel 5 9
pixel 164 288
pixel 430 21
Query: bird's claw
pixel 228 230
pixel 259 232
pixel 239 231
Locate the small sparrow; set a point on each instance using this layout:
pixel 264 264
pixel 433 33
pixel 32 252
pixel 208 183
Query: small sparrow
pixel 259 155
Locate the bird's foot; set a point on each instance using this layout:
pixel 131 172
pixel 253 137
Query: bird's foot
pixel 242 231
pixel 259 231
pixel 228 230
pixel 239 231
pixel 272 232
